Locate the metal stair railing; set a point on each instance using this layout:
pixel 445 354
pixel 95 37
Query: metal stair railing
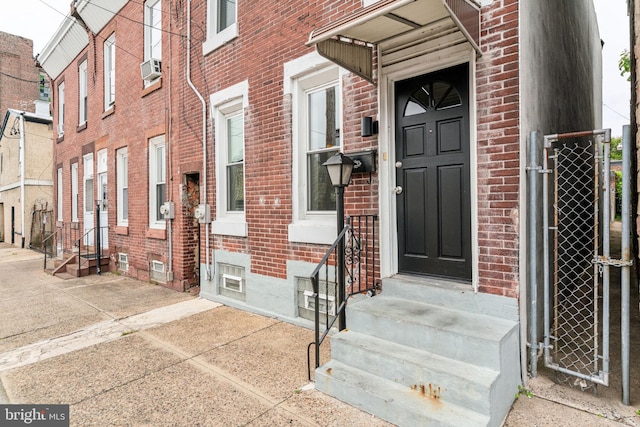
pixel 50 242
pixel 85 258
pixel 361 270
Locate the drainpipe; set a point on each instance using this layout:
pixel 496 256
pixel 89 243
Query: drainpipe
pixel 204 135
pixel 22 158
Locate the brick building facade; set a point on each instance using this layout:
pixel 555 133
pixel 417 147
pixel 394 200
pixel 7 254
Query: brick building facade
pixel 20 82
pixel 228 137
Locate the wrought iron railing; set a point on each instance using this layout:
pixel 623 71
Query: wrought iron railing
pixel 86 251
pixel 68 239
pixel 49 245
pixel 360 273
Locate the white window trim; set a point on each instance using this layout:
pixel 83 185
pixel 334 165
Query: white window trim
pixel 216 39
pixel 61 109
pixel 230 277
pixel 148 28
pixel 303 73
pixel 122 182
pixel 148 8
pixel 123 261
pixel 329 300
pixel 109 71
pixel 154 143
pixel 82 93
pixel 60 192
pixel 75 195
pixel 224 102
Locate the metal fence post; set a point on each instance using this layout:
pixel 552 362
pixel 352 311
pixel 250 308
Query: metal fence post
pixel 532 170
pixel 626 258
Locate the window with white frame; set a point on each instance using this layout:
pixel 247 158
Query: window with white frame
pixel 153 29
pixel 60 194
pixel 82 91
pixel 157 181
pixel 322 122
pixel 109 71
pixel 222 23
pixel 234 132
pixel 227 107
pixel 314 85
pixel 74 192
pixel 61 109
pixel 122 182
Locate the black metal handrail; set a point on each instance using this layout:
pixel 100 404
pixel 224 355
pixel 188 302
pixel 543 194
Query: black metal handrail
pixel 84 258
pixel 50 241
pixel 359 238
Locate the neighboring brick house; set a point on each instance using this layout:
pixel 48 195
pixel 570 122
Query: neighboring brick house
pixel 21 80
pixel 233 132
pixel 112 134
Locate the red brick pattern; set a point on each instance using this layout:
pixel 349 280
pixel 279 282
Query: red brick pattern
pixel 19 85
pixel 497 80
pixel 269 36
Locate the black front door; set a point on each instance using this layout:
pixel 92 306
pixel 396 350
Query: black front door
pixel 432 174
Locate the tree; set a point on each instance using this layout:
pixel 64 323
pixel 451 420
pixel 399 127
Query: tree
pixel 624 64
pixel 615 153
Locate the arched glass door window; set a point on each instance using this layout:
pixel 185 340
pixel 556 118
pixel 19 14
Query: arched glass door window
pixel 433 96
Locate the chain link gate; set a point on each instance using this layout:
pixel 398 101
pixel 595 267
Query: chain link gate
pixel 576 216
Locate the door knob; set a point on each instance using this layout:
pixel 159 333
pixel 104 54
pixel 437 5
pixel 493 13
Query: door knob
pixel 397 190
pixel 398 165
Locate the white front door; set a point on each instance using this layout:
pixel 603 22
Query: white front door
pixel 88 199
pixel 103 199
pixel 104 212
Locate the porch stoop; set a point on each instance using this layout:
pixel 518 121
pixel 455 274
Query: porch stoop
pixel 86 264
pixel 426 353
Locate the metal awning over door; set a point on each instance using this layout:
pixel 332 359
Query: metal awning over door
pixel 348 41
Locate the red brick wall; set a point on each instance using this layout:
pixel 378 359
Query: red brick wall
pixel 138 115
pixel 271 34
pixel 19 84
pixel 268 39
pixel 498 149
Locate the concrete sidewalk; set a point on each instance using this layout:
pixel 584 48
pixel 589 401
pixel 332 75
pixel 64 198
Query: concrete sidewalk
pixel 127 353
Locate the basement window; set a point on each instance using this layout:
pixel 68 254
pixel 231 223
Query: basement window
pixel 324 302
pixel 157 272
pixel 232 282
pixel 123 262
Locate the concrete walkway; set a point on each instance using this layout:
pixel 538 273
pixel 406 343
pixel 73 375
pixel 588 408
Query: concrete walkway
pixel 126 353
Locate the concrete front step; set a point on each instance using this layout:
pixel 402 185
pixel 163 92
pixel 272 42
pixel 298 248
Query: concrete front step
pixel 396 403
pixel 467 337
pixel 450 294
pixel 88 265
pixel 455 382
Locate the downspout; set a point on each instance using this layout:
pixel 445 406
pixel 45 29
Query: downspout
pixel 204 135
pixel 170 159
pixel 22 158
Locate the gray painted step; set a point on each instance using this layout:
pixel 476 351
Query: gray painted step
pixel 393 402
pixel 450 294
pixel 467 337
pixel 460 383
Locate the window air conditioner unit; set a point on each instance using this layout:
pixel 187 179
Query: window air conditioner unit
pixel 151 69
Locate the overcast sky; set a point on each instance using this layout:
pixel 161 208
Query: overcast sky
pixel 39 19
